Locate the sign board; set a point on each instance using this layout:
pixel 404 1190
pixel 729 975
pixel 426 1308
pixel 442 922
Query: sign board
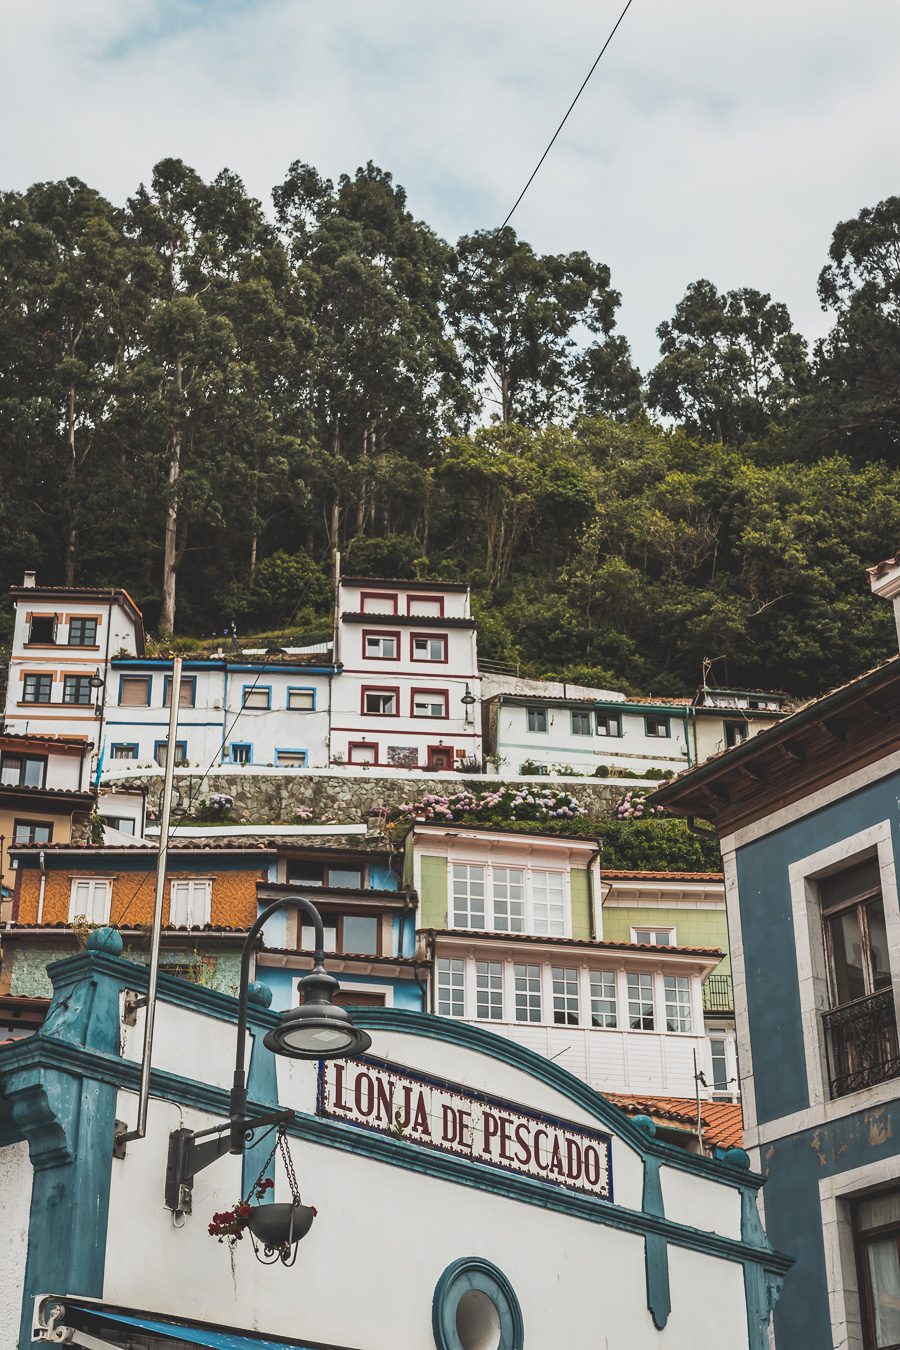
pixel 438 1114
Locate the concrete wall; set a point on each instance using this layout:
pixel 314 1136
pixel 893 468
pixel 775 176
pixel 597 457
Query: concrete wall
pixel 16 1175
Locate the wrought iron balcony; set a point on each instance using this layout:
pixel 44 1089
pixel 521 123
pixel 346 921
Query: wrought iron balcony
pixel 718 994
pixel 861 1043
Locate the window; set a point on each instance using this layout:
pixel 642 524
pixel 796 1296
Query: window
pixel 509 899
pixel 37 689
pixel 161 750
pixel 657 726
pixel 190 903
pixel 300 872
pixel 718 1051
pixel 861 1031
pixel 124 750
pixel 876 1224
pixel 301 700
pixel 42 628
pixel 241 752
pixel 654 937
pixel 22 771
pixel 77 689
pixel 640 1002
pixel 381 702
pixel 290 759
pixel 609 724
pixel 32 832
pixel 134 691
pixel 565 996
pixel 362 752
pixel 678 1002
pixel 82 632
pixel 90 899
pixel 537 720
pixel 425 604
pixel 603 999
pixel 489 990
pixel 528 993
pixel 424 647
pixel 124 824
pixel 581 723
pixel 187 691
pixel 348 878
pixel 549 902
pixel 355 934
pixel 429 704
pixel 376 602
pixel 257 696
pixel 468 896
pixel 735 733
pixel 381 646
pixel 451 987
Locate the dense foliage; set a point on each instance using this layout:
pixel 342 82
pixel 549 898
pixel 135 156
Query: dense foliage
pixel 201 400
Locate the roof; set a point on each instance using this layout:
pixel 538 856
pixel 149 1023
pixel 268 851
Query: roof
pixel 15 929
pixel 880 568
pixel 431 621
pixel 507 827
pixel 722 1121
pixel 820 742
pixel 51 738
pixel 621 874
pixel 408 584
pixel 591 944
pixel 75 796
pixel 141 846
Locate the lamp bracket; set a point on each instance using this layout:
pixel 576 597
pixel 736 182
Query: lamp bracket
pixel 132 1002
pixel 187 1157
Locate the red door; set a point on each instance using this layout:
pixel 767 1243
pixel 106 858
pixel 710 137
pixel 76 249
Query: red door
pixel 440 758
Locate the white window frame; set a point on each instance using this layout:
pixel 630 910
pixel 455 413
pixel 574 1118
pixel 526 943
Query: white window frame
pixel 428 657
pixel 596 975
pixel 199 901
pixel 682 1006
pixel 655 930
pixel 565 971
pixel 381 712
pixel 382 638
pixel 488 994
pixel 529 875
pixel 639 975
pixel 99 886
pixel 453 987
pixel 438 699
pixel 529 993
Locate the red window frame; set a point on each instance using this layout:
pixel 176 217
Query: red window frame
pixel 362 745
pixel 379 689
pixel 432 599
pixel 380 633
pixel 378 595
pixel 441 637
pixel 444 693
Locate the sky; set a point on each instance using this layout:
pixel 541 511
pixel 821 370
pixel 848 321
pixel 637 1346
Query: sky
pixel 718 138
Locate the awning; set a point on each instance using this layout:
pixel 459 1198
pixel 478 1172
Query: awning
pixel 138 1330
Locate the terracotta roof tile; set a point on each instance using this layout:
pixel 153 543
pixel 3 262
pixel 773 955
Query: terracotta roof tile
pixel 623 875
pixel 598 945
pixel 722 1121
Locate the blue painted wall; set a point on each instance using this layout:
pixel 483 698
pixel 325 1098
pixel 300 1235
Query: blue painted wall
pixel 794 1166
pixel 283 984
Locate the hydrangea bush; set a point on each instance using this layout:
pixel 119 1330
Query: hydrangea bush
pixel 490 807
pixel 633 806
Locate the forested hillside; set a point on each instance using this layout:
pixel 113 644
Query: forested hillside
pixel 202 396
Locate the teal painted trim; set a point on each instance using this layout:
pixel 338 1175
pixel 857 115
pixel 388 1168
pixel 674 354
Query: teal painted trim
pixel 262 1088
pixel 762 1289
pixel 656 1249
pixel 752 1230
pixel 553 1075
pixel 474 1273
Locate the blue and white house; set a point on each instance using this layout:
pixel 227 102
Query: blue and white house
pixel 808 822
pixel 467 1193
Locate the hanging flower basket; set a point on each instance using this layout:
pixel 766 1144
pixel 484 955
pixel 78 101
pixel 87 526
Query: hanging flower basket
pixel 275 1227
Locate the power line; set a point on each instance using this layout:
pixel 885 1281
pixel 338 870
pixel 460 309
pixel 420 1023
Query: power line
pixel 552 140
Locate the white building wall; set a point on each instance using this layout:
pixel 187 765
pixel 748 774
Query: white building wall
pixel 560 745
pixel 16 1176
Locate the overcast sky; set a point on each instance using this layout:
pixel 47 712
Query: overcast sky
pixel 718 138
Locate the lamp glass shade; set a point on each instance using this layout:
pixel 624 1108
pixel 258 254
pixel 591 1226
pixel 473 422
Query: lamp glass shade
pixel 314 1031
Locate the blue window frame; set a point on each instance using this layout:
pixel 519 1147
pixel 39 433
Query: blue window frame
pixel 300 699
pixel 123 750
pixel 134 691
pixel 187 694
pixel 240 752
pixel 294 759
pixel 257 696
pixel 159 752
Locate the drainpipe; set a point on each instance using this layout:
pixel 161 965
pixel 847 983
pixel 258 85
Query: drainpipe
pixel 687 736
pixel 224 749
pixel 591 896
pixel 42 860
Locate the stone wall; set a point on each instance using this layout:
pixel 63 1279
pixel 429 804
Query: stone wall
pixel 345 798
pixel 25 967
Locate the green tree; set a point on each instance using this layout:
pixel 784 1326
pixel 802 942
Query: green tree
pixel 731 363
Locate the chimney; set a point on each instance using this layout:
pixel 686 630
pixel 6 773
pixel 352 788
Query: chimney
pixel 30 579
pixel 885 581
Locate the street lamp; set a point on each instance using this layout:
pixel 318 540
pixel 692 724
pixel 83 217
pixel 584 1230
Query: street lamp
pixel 468 702
pixel 97 682
pixel 317 1029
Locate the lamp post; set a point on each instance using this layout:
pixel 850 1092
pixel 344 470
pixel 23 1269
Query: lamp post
pixel 316 1029
pixel 468 702
pixel 97 683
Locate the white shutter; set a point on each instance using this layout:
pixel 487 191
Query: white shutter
pixel 189 903
pixel 90 900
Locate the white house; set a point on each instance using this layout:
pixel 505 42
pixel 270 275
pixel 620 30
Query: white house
pixel 466 1193
pixel 408 694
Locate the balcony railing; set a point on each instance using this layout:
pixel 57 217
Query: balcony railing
pixel 861 1043
pixel 718 994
